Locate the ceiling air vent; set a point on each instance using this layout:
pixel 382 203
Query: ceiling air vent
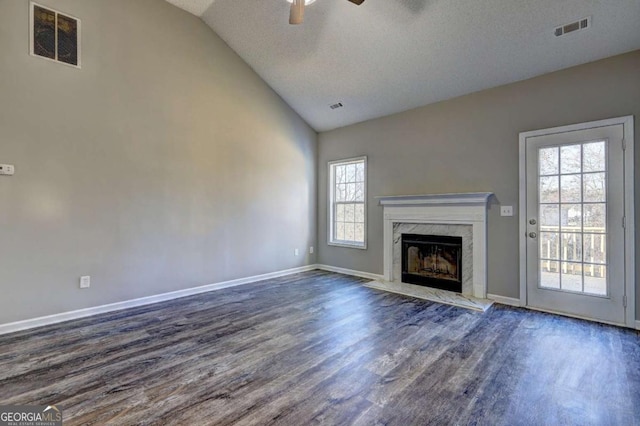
pixel 581 24
pixel 336 105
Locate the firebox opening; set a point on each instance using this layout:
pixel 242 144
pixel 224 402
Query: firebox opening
pixel 432 261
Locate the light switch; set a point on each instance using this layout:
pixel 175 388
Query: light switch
pixel 506 210
pixel 85 281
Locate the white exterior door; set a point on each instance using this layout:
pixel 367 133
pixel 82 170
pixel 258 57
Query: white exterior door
pixel 574 230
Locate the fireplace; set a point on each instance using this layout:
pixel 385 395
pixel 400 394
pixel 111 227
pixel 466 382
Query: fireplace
pixel 432 261
pixel 461 215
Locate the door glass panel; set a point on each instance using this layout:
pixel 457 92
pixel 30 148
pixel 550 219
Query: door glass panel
pixel 595 217
pixel 549 217
pixel 550 274
pixel 595 189
pixel 572 218
pixel 548 160
pixel 572 246
pixel 571 188
pixel 594 157
pixel 549 189
pixel 571 276
pixel 550 245
pixel 595 279
pixel 570 159
pixel 595 248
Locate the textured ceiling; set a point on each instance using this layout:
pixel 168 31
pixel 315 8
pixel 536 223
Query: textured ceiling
pixel 388 56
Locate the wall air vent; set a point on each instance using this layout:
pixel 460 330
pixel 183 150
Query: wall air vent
pixel 336 105
pixel 580 24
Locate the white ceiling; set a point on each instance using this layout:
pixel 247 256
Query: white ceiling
pixel 387 56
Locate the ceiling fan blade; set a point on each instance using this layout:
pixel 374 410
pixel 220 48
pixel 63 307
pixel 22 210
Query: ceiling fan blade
pixel 358 2
pixel 296 15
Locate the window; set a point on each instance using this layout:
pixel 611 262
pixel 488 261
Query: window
pixel 347 202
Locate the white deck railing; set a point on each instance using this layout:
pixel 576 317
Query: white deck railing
pixel 573 253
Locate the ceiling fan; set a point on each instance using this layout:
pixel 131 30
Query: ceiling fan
pixel 296 15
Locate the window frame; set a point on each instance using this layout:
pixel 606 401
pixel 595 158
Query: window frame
pixel 331 202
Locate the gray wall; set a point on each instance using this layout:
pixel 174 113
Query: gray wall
pixel 470 144
pixel 164 163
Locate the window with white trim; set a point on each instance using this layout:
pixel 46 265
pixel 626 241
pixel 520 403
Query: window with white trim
pixel 347 202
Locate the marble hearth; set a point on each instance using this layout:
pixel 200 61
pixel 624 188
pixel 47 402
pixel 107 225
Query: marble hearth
pixel 462 215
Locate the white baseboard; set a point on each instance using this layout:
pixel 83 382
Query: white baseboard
pixel 346 271
pixel 511 301
pixel 81 313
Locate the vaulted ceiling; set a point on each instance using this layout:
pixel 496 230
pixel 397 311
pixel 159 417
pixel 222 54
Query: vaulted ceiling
pixel 387 56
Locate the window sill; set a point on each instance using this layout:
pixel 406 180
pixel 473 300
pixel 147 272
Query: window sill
pixel 347 245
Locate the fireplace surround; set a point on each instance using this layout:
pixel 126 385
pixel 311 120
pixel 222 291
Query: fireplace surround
pixel 462 215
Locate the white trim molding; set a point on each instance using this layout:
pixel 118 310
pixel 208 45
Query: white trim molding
pixel 627 123
pixel 352 272
pixel 82 313
pixel 510 301
pixel 440 209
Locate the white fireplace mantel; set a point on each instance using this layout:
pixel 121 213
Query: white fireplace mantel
pixel 445 209
pixel 465 198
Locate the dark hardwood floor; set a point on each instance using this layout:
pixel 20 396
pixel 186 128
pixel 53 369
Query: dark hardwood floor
pixel 318 348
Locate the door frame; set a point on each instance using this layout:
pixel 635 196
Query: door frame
pixel 629 211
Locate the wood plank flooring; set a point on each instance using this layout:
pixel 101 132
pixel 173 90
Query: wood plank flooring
pixel 319 348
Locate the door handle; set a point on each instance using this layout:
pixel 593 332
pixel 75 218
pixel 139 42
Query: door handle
pixel 533 234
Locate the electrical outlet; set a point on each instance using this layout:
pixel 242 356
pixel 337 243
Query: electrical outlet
pixel 85 282
pixel 311 250
pixel 506 210
pixel 296 252
pixel 7 169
